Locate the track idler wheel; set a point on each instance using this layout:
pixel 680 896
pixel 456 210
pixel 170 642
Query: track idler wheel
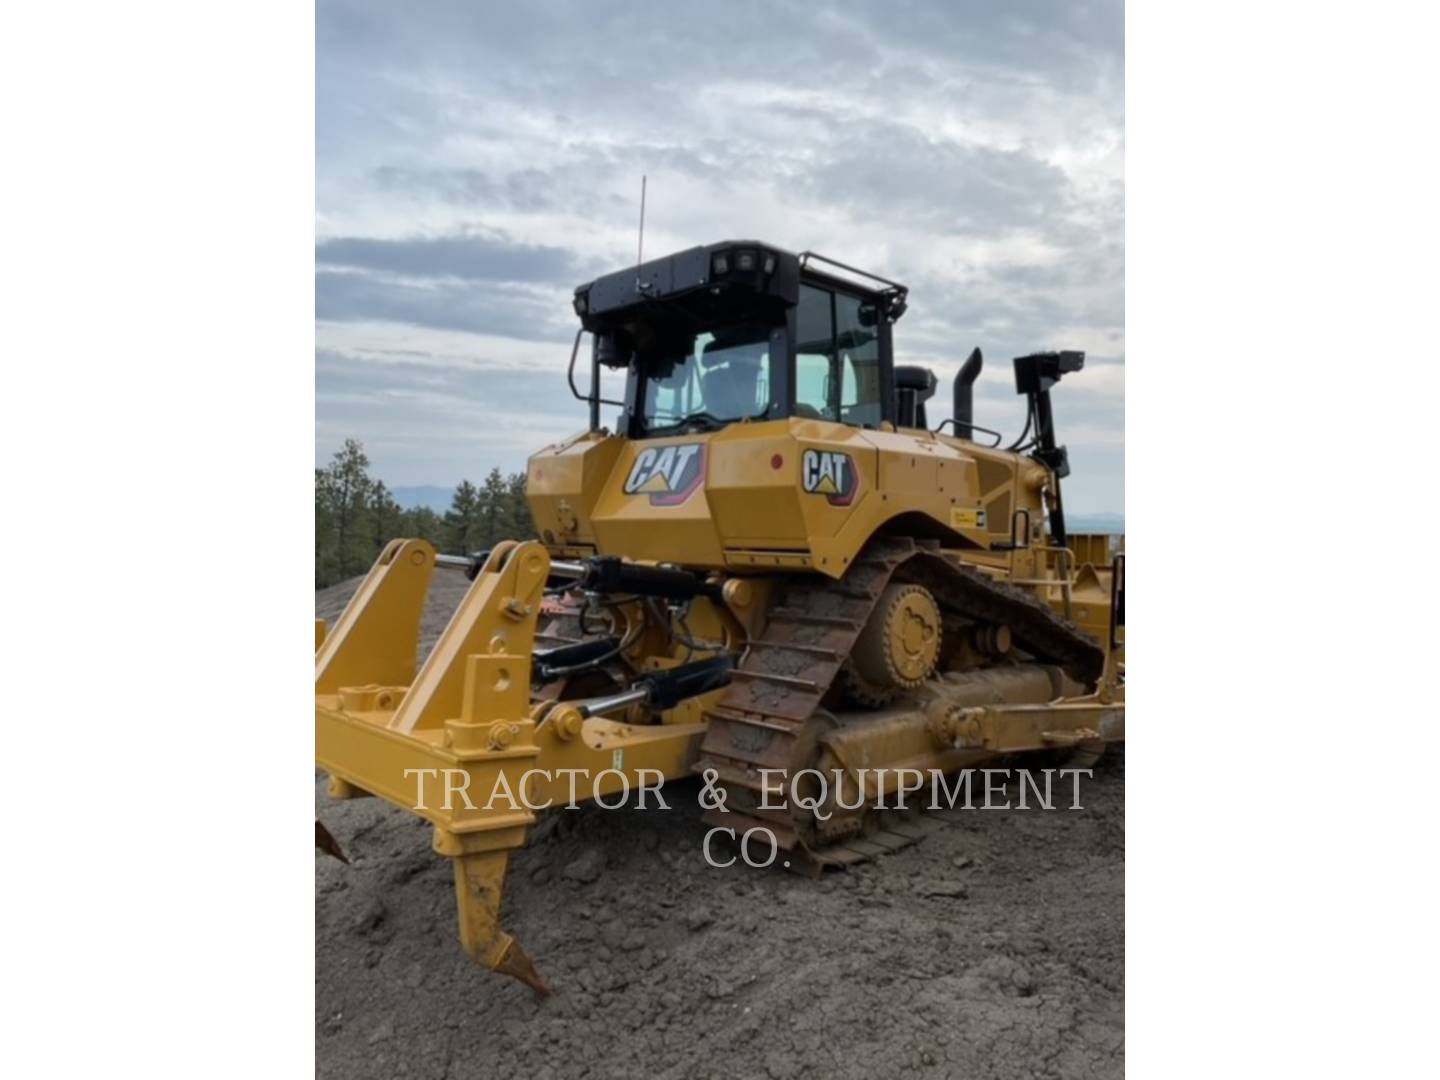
pixel 898 647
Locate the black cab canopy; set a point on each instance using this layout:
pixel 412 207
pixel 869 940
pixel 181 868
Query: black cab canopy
pixel 742 330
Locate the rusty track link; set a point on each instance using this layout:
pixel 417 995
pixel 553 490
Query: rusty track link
pixel 770 717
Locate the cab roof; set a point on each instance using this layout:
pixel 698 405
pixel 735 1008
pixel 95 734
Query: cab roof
pixel 741 266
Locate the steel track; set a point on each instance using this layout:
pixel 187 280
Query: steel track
pixel 770 718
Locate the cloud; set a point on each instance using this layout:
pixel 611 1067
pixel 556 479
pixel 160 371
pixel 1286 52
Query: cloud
pixel 524 190
pixel 505 308
pixel 970 190
pixel 477 257
pixel 476 162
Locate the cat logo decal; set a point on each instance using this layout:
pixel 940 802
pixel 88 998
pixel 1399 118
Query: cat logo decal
pixel 830 473
pixel 667 474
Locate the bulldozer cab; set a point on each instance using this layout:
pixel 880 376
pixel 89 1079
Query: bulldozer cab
pixel 740 331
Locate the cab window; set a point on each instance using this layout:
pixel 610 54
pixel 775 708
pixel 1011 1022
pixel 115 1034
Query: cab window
pixel 837 358
pixel 857 344
pixel 708 379
pixel 815 355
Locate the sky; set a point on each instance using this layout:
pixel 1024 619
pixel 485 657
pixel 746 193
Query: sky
pixel 477 161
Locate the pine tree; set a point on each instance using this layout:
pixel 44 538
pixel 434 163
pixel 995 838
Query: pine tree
pixel 324 534
pixel 496 522
pixel 356 516
pixel 461 533
pixel 521 520
pixel 423 524
pixel 342 495
pixel 387 520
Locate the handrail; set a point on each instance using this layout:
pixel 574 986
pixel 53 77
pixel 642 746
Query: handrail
pixel 808 256
pixel 593 399
pixel 973 427
pixel 1015 544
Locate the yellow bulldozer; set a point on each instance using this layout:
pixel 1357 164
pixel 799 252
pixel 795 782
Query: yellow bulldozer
pixel 772 574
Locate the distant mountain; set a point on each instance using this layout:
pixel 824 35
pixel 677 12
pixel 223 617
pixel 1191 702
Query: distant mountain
pixel 1095 523
pixel 436 498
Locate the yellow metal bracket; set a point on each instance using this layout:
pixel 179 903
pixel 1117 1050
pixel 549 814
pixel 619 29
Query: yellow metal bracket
pixel 375 638
pixel 382 728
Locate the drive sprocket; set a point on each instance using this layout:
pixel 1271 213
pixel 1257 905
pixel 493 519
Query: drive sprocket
pixel 898 648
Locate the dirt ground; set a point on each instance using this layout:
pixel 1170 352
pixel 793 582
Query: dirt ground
pixel 994 948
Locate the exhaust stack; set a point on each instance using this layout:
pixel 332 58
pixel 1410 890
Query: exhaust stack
pixel 965 394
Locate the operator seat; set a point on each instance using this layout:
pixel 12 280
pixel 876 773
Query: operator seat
pixel 728 379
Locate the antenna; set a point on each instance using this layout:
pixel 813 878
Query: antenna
pixel 640 248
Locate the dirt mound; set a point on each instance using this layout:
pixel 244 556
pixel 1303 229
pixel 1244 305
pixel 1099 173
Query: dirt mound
pixel 995 948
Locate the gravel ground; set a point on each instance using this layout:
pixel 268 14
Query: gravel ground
pixel 994 948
